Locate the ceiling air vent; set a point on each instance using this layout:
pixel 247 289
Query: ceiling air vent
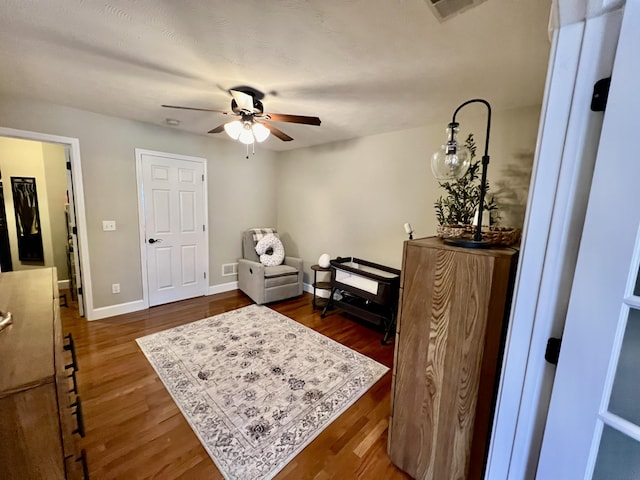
pixel 445 9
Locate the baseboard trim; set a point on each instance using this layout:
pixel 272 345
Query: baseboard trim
pixel 322 293
pixel 223 287
pixel 113 310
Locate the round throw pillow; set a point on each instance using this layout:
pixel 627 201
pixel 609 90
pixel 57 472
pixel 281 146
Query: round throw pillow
pixel 271 250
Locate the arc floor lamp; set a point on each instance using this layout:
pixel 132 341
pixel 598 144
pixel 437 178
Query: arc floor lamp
pixel 452 161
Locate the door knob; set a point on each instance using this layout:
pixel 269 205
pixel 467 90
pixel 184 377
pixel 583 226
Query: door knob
pixel 154 240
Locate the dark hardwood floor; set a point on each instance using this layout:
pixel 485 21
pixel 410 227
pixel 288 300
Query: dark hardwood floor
pixel 135 430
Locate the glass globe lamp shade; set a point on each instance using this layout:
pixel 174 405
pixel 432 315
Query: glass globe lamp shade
pixel 246 135
pixel 260 132
pixel 451 162
pixel 233 129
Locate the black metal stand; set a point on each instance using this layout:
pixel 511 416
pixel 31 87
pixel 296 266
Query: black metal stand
pixel 319 285
pixel 467 242
pixel 477 241
pixel 384 317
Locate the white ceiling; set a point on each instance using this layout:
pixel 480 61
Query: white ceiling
pixel 362 66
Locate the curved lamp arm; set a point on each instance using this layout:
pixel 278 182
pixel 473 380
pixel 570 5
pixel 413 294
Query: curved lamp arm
pixel 486 104
pixel 477 238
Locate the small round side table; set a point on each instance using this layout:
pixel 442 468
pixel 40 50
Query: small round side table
pixel 319 302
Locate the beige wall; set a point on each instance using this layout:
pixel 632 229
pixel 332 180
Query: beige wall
pixel 55 169
pixel 346 198
pixel 21 158
pixel 241 191
pixel 352 198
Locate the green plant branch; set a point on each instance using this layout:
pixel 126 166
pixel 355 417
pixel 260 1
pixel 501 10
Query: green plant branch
pixel 459 205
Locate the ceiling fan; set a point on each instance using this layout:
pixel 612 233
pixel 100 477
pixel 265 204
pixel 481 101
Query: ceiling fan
pixel 253 124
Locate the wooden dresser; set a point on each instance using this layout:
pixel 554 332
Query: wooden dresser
pixel 454 306
pixel 40 412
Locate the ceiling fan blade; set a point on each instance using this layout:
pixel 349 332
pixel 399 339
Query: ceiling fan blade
pixel 277 132
pixel 218 129
pixel 283 117
pixel 244 101
pixel 193 108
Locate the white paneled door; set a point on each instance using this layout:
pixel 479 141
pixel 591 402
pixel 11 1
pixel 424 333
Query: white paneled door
pixel 593 426
pixel 174 206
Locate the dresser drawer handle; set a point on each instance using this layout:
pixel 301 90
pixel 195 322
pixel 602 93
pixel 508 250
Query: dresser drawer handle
pixel 83 459
pixel 75 383
pixel 71 346
pixel 79 418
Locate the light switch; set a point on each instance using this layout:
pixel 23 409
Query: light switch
pixel 108 225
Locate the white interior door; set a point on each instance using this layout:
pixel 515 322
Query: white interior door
pixel 593 426
pixel 174 205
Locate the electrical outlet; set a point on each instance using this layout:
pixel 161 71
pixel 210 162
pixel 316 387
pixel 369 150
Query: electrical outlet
pixel 108 225
pixel 115 288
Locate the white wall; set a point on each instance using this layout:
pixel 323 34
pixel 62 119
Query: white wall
pixel 352 198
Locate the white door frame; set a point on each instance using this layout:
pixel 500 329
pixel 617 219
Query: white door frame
pixel 582 53
pixel 73 147
pixel 141 216
pixel 71 214
pixel 596 325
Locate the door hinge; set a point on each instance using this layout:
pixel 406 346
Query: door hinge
pixel 600 95
pixel 552 353
pixel 205 274
pixel 68 165
pixel 79 290
pixel 203 228
pixel 74 230
pixel 203 177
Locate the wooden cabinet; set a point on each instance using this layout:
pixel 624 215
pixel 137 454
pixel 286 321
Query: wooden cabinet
pixel 449 339
pixel 39 418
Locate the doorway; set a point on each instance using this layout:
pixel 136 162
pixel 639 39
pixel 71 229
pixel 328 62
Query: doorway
pixel 58 209
pixel 172 199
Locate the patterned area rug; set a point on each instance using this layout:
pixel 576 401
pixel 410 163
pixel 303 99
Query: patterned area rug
pixel 256 386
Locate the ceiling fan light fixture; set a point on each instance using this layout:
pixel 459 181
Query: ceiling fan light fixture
pixel 252 124
pixel 260 132
pixel 234 129
pixel 246 135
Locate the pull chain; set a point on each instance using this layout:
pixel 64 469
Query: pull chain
pixel 253 150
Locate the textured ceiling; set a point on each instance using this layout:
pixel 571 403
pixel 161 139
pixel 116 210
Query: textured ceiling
pixel 363 67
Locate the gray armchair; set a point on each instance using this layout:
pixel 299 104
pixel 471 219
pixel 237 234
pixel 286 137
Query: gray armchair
pixel 267 284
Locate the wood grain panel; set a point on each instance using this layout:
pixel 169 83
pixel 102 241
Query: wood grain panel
pixel 35 423
pixel 453 310
pixel 29 422
pixel 28 295
pixel 459 375
pixel 407 434
pixel 503 277
pixel 66 420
